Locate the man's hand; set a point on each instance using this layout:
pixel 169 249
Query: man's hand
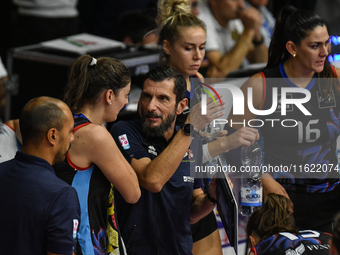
pixel 213 112
pixel 251 19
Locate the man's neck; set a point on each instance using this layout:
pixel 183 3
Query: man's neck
pixel 31 150
pixel 170 132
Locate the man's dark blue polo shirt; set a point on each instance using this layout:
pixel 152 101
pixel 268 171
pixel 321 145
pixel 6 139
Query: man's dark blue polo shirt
pixel 159 223
pixel 38 211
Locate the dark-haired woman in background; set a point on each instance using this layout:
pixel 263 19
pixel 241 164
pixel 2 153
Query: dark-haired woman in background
pixel 96 92
pixel 298 57
pixel 271 230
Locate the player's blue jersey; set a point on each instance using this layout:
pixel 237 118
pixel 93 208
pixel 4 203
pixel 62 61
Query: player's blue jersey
pixel 303 145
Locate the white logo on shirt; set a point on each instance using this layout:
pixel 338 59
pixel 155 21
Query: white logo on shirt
pixel 152 150
pixel 188 179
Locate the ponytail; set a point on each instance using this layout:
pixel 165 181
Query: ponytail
pixel 292 25
pixel 90 77
pixel 295 25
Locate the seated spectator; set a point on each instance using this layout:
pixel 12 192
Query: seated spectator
pixel 39 213
pixel 10 139
pixel 268 20
pixel 142 34
pixel 233 36
pixel 271 230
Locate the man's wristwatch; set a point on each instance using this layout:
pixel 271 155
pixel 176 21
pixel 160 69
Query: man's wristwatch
pixel 258 43
pixel 188 129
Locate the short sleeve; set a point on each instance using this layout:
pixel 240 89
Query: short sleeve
pixel 212 40
pixel 63 219
pixel 198 183
pixel 129 140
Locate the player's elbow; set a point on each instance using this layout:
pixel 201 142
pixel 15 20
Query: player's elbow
pixel 155 188
pixel 151 183
pixel 133 197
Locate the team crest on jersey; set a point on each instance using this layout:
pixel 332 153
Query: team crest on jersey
pixel 189 153
pixel 289 107
pixel 152 150
pixel 189 156
pixel 124 141
pixel 326 102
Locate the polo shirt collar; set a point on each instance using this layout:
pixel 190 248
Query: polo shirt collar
pixel 159 140
pixel 30 159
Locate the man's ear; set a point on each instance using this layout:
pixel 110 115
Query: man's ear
pixel 291 48
pixel 166 47
pixel 52 136
pixel 181 106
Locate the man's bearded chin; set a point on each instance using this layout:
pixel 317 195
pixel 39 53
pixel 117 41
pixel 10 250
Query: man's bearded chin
pixel 159 130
